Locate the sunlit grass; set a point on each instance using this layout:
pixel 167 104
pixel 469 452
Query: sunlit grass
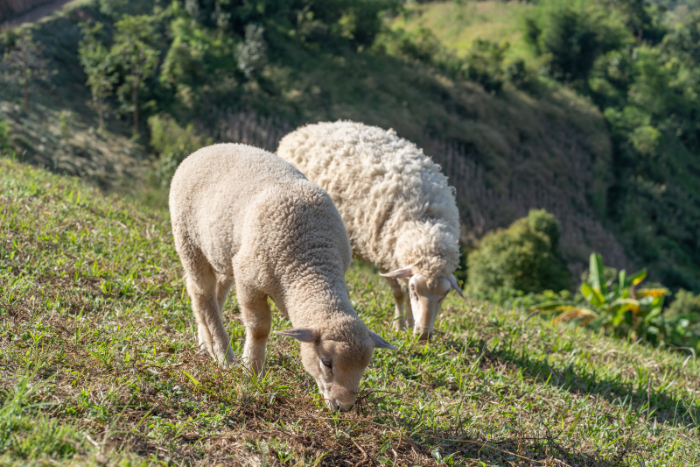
pixel 459 24
pixel 98 361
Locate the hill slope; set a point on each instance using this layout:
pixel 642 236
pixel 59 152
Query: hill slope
pixel 98 360
pixel 504 153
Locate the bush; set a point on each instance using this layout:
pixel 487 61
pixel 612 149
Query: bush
pixel 617 305
pixel 685 304
pixel 484 64
pixel 523 257
pixel 173 144
pixel 4 134
pixel 572 35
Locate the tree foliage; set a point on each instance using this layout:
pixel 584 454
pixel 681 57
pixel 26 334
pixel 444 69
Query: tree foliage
pixel 134 51
pixel 524 257
pixel 98 66
pixel 571 36
pixel 23 63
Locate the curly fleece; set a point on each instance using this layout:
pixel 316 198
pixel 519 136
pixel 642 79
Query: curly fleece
pixel 397 206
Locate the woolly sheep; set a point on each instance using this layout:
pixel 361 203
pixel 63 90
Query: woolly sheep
pixel 241 214
pixel 397 207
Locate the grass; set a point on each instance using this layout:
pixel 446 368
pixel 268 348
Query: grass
pixel 459 23
pixel 99 363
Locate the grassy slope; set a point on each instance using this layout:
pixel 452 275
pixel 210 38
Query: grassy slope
pixel 549 150
pixel 458 24
pixel 98 360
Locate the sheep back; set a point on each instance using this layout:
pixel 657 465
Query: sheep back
pixel 234 201
pixel 397 206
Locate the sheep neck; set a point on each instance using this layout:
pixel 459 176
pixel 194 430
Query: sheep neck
pixel 314 298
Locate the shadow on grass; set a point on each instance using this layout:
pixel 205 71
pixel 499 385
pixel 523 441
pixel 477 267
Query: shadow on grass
pixel 660 406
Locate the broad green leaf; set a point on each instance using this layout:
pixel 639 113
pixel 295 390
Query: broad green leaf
pixel 596 278
pixel 591 295
pixel 625 304
pixel 622 282
pixel 656 311
pixel 638 277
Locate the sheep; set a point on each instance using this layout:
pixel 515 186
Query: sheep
pixel 397 207
pixel 242 215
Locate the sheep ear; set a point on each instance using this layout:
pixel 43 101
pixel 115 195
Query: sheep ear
pixel 379 342
pixel 399 273
pixel 301 334
pixel 455 285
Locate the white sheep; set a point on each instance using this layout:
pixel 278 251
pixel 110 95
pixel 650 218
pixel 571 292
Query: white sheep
pixel 240 214
pixel 397 208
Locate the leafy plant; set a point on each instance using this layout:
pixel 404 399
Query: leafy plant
pixel 524 257
pixel 622 309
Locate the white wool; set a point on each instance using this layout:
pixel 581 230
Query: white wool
pixel 397 206
pixel 242 215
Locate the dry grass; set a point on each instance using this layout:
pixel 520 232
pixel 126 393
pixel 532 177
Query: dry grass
pixel 98 365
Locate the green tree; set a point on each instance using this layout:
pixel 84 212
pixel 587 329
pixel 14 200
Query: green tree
pixel 98 66
pixel 23 62
pixel 133 51
pixel 523 257
pixel 572 35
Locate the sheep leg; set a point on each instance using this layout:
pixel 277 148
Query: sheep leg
pixel 257 319
pixel 202 288
pixel 409 312
pixel 223 285
pixel 399 298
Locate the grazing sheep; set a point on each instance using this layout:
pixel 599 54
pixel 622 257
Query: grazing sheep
pixel 240 214
pixel 398 210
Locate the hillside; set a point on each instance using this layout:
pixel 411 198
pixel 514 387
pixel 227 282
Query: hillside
pixel 98 362
pixel 504 153
pixel 637 63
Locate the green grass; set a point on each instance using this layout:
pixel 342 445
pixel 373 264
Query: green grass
pixel 459 24
pixel 98 361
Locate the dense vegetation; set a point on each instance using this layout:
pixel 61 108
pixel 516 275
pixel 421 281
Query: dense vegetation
pixel 99 362
pixel 638 62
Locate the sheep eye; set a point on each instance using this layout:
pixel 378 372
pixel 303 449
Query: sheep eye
pixel 326 362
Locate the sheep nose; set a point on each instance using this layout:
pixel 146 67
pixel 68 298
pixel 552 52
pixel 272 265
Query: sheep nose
pixel 423 335
pixel 344 406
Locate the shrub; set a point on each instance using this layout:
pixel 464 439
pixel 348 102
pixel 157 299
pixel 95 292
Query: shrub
pixel 572 35
pixel 173 144
pixel 618 306
pixel 4 134
pixel 484 64
pixel 524 257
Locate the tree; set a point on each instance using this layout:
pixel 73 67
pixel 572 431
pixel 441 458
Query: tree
pixel 133 50
pixel 523 257
pixel 98 67
pixel 572 35
pixel 23 62
pixel 251 53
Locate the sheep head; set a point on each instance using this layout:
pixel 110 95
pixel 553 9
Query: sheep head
pixel 337 363
pixel 426 296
